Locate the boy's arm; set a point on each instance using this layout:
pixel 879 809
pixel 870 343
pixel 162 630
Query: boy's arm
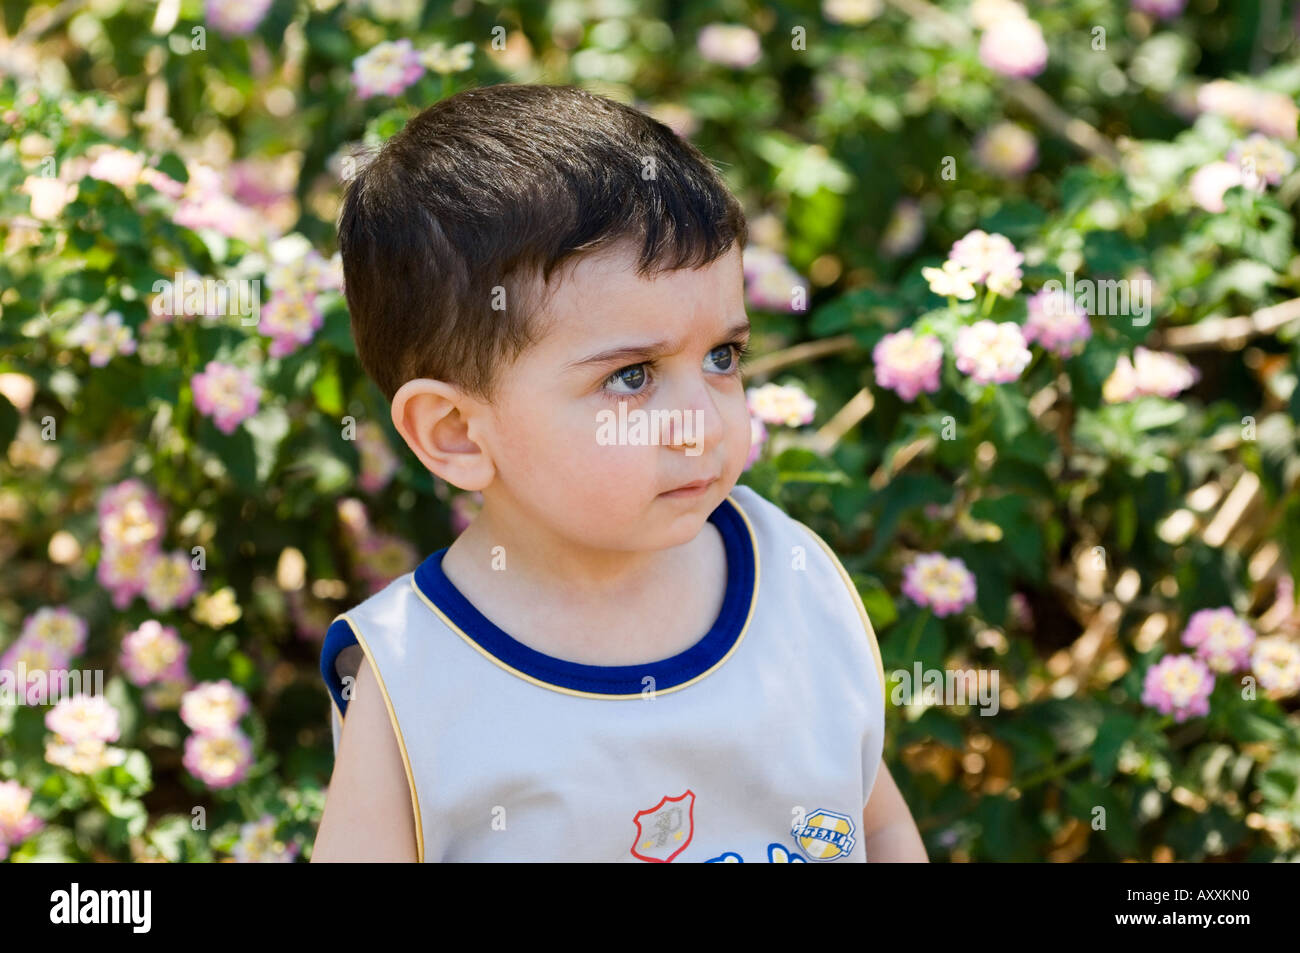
pixel 888 830
pixel 368 813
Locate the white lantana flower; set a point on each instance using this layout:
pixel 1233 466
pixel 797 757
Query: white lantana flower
pixel 440 58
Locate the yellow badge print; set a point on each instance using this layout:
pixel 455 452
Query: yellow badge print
pixel 825 835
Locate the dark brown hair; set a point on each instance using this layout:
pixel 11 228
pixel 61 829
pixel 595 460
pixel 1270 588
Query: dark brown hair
pixel 495 187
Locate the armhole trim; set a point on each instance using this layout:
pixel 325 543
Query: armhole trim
pixel 857 601
pixel 397 732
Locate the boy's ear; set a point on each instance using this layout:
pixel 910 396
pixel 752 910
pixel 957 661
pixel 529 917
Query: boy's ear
pixel 439 421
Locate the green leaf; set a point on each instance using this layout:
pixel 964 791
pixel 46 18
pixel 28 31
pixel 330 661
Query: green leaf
pixel 1246 725
pixel 133 776
pixel 903 493
pixel 172 165
pixel 1007 836
pixel 1017 219
pixel 1152 413
pixel 800 465
pixel 268 429
pixel 1247 278
pixel 919 638
pixel 1112 823
pixel 1110 253
pixel 844 312
pixel 1012 415
pixel 168 836
pixel 944 728
pixel 1089 370
pixel 328 391
pixel 122 226
pixel 1116 728
pixel 877 601
pixel 1125 522
pixel 1021 532
pixel 53 845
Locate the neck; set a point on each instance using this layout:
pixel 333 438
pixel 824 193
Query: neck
pixel 540 559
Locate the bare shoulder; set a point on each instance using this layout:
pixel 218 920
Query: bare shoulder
pixel 368 811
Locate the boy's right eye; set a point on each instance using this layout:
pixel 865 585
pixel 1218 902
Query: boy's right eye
pixel 633 377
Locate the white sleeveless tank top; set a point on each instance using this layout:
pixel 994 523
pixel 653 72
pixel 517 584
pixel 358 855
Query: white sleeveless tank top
pixel 760 743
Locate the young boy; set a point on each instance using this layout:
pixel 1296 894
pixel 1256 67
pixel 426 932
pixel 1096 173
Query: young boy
pixel 625 656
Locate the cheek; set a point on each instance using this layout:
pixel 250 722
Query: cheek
pixel 736 417
pixel 558 454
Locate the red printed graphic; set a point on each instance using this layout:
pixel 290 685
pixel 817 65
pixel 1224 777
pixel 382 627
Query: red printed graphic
pixel 668 828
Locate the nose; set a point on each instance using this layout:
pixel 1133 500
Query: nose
pixel 698 428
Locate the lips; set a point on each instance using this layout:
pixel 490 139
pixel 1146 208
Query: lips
pixel 688 489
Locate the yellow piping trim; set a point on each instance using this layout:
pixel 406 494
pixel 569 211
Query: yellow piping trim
pixel 857 600
pixel 744 629
pixel 397 730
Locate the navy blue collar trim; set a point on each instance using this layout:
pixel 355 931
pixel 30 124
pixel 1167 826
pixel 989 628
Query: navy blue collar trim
pixel 667 673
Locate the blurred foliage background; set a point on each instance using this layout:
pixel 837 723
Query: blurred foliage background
pixel 189 498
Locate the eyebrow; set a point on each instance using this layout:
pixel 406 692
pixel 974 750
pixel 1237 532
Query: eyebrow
pixel 641 352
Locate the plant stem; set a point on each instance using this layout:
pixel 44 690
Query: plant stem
pixel 915 638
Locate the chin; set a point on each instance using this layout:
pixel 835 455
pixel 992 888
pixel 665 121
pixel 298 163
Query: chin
pixel 687 524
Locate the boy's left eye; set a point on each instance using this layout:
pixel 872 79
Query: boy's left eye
pixel 726 358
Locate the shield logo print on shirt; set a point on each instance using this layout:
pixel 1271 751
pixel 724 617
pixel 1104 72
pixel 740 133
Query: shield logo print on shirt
pixel 663 831
pixel 825 835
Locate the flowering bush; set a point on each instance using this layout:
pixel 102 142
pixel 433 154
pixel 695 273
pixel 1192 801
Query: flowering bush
pixel 1024 292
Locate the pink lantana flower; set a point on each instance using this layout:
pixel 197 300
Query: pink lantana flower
pixel 904 231
pixel 1276 663
pixel 992 353
pixel 1262 161
pixel 103 338
pixel 291 320
pixel 40 661
pixel 1006 150
pixel 214 707
pixel 944 585
pixel 121 571
pixel 1149 374
pixel 84 716
pixel 236 17
pixel 1211 182
pixel 907 363
pixel 1269 112
pixel 170 581
pixel 382 557
pixel 1179 685
pixel 59 627
pixel 386 69
pixel 153 652
pixel 121 167
pixel 781 405
pixel 770 282
pixel 218 760
pixel 378 462
pixel 729 45
pixel 1014 47
pixel 17 822
pixel 990 258
pixel 130 514
pixel 225 393
pixel 1221 638
pixel 1057 322
pixel 258 844
pixel 1160 9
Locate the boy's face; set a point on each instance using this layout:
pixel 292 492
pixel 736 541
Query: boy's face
pixel 561 454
